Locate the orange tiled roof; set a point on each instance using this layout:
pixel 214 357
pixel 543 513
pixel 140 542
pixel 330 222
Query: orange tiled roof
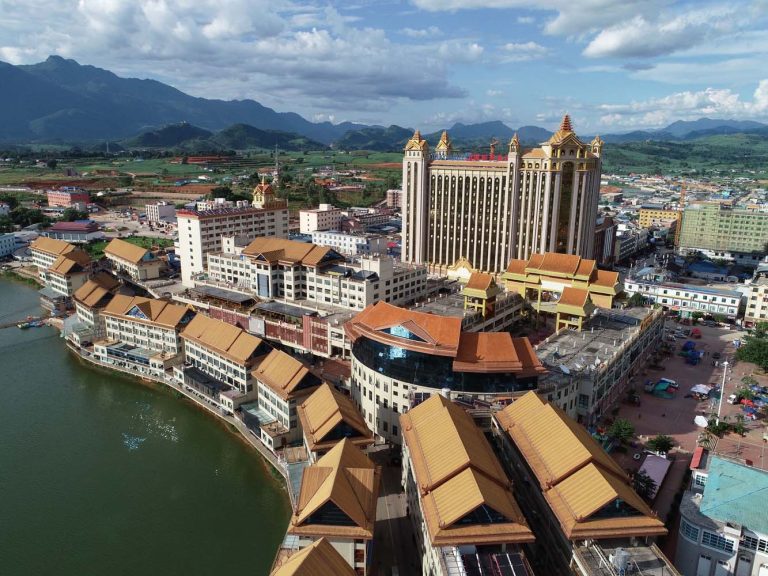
pixel 51 245
pixel 318 559
pixel 283 373
pixel 230 341
pixel 159 312
pixel 606 278
pixel 479 281
pixel 517 266
pixel 125 251
pixel 323 411
pixel 573 297
pixel 586 267
pixel 559 263
pixel 496 352
pixel 281 250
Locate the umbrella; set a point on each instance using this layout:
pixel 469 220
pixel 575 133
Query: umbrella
pixel 701 389
pixel 701 421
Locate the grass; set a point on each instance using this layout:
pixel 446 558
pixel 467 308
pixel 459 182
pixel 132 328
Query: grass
pixel 96 249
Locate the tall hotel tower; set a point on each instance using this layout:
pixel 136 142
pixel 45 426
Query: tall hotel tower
pixel 490 208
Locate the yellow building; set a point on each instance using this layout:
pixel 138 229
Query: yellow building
pixel 654 216
pixel 563 284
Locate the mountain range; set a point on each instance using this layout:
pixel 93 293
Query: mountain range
pixel 60 100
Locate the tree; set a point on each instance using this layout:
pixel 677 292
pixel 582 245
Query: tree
pixel 622 430
pixel 644 485
pixel 755 347
pixel 9 199
pixel 661 443
pixel 636 300
pixel 6 224
pixel 72 214
pixel 52 163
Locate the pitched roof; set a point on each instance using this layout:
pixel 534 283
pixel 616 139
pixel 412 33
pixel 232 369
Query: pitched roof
pixel 159 312
pixel 125 251
pixel 479 281
pixel 51 245
pixel 281 250
pixel 605 278
pixel 517 266
pixel 557 263
pixel 72 261
pixel 586 267
pixel 95 289
pixel 456 473
pixel 318 559
pixel 230 341
pixel 349 480
pixel 496 352
pixel 282 373
pixel 573 297
pixel 326 409
pixel 434 334
pixel 578 478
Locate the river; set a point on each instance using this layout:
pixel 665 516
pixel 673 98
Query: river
pixel 101 474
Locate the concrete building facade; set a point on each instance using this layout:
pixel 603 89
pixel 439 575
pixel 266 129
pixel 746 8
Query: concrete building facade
pixel 352 244
pixel 720 231
pixel 489 209
pixel 326 217
pixel 687 298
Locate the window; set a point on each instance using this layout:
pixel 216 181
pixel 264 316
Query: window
pixel 689 530
pixel 700 480
pixel 716 541
pixel 749 542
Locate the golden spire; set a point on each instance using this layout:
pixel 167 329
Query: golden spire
pixel 444 146
pixel 565 125
pixel 514 144
pixel 417 143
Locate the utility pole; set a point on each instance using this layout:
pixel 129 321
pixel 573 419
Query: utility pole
pixel 722 391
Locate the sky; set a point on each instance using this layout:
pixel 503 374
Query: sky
pixel 613 65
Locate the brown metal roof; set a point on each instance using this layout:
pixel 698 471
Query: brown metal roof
pixel 282 373
pixel 71 262
pixel 51 246
pixel 230 341
pixel 347 478
pixel 496 352
pixel 323 411
pixel 586 267
pixel 456 472
pixel 578 478
pixel 125 251
pixel 159 312
pixel 479 281
pixel 439 334
pixel 558 263
pixel 281 250
pixel 318 559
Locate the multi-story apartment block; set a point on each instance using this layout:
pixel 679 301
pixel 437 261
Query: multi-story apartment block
pixel 400 356
pixel 629 242
pixel 720 231
pixel 134 261
pixel 219 360
pixel 395 198
pixel 588 371
pixel 143 333
pixel 7 244
pixel 605 241
pixel 298 271
pixel 686 298
pixel 723 520
pixel 587 518
pixel 68 273
pixel 492 208
pixel 757 301
pixel 656 215
pixel 337 501
pixel 200 232
pixel 90 299
pixel 352 244
pixel 160 212
pixel 45 251
pixel 326 217
pixel 327 417
pixel 459 498
pixel 282 382
pixel 68 197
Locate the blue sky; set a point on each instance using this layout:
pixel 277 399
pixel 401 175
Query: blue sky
pixel 614 65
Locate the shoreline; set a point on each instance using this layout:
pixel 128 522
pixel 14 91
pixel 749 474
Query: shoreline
pixel 235 427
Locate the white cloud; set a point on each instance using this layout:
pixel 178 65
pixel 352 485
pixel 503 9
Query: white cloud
pixel 430 32
pixel 461 52
pixel 494 93
pixel 524 51
pixel 686 105
pixel 526 19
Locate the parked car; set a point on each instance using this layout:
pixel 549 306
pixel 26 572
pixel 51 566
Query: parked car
pixel 716 355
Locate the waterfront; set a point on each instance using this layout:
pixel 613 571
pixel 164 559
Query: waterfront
pixel 100 474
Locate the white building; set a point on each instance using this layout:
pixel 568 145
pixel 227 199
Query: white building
pixel 5 209
pixel 687 298
pixel 757 301
pixel 143 333
pixel 219 359
pixel 395 198
pixel 200 232
pixel 295 271
pixel 45 251
pixel 90 299
pixel 282 383
pixel 724 519
pixel 326 217
pixel 160 212
pixel 352 244
pixel 137 262
pixel 7 244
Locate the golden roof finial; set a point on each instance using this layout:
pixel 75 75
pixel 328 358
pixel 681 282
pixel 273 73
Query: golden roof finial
pixel 444 136
pixel 417 135
pixel 565 125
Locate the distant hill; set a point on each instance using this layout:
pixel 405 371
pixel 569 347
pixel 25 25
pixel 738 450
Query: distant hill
pixel 62 100
pixel 168 136
pixel 378 139
pixel 243 136
pixel 685 129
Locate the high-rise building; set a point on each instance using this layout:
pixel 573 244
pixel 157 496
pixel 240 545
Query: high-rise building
pixel 491 208
pixel 720 231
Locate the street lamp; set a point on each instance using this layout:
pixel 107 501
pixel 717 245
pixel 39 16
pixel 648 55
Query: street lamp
pixel 722 391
